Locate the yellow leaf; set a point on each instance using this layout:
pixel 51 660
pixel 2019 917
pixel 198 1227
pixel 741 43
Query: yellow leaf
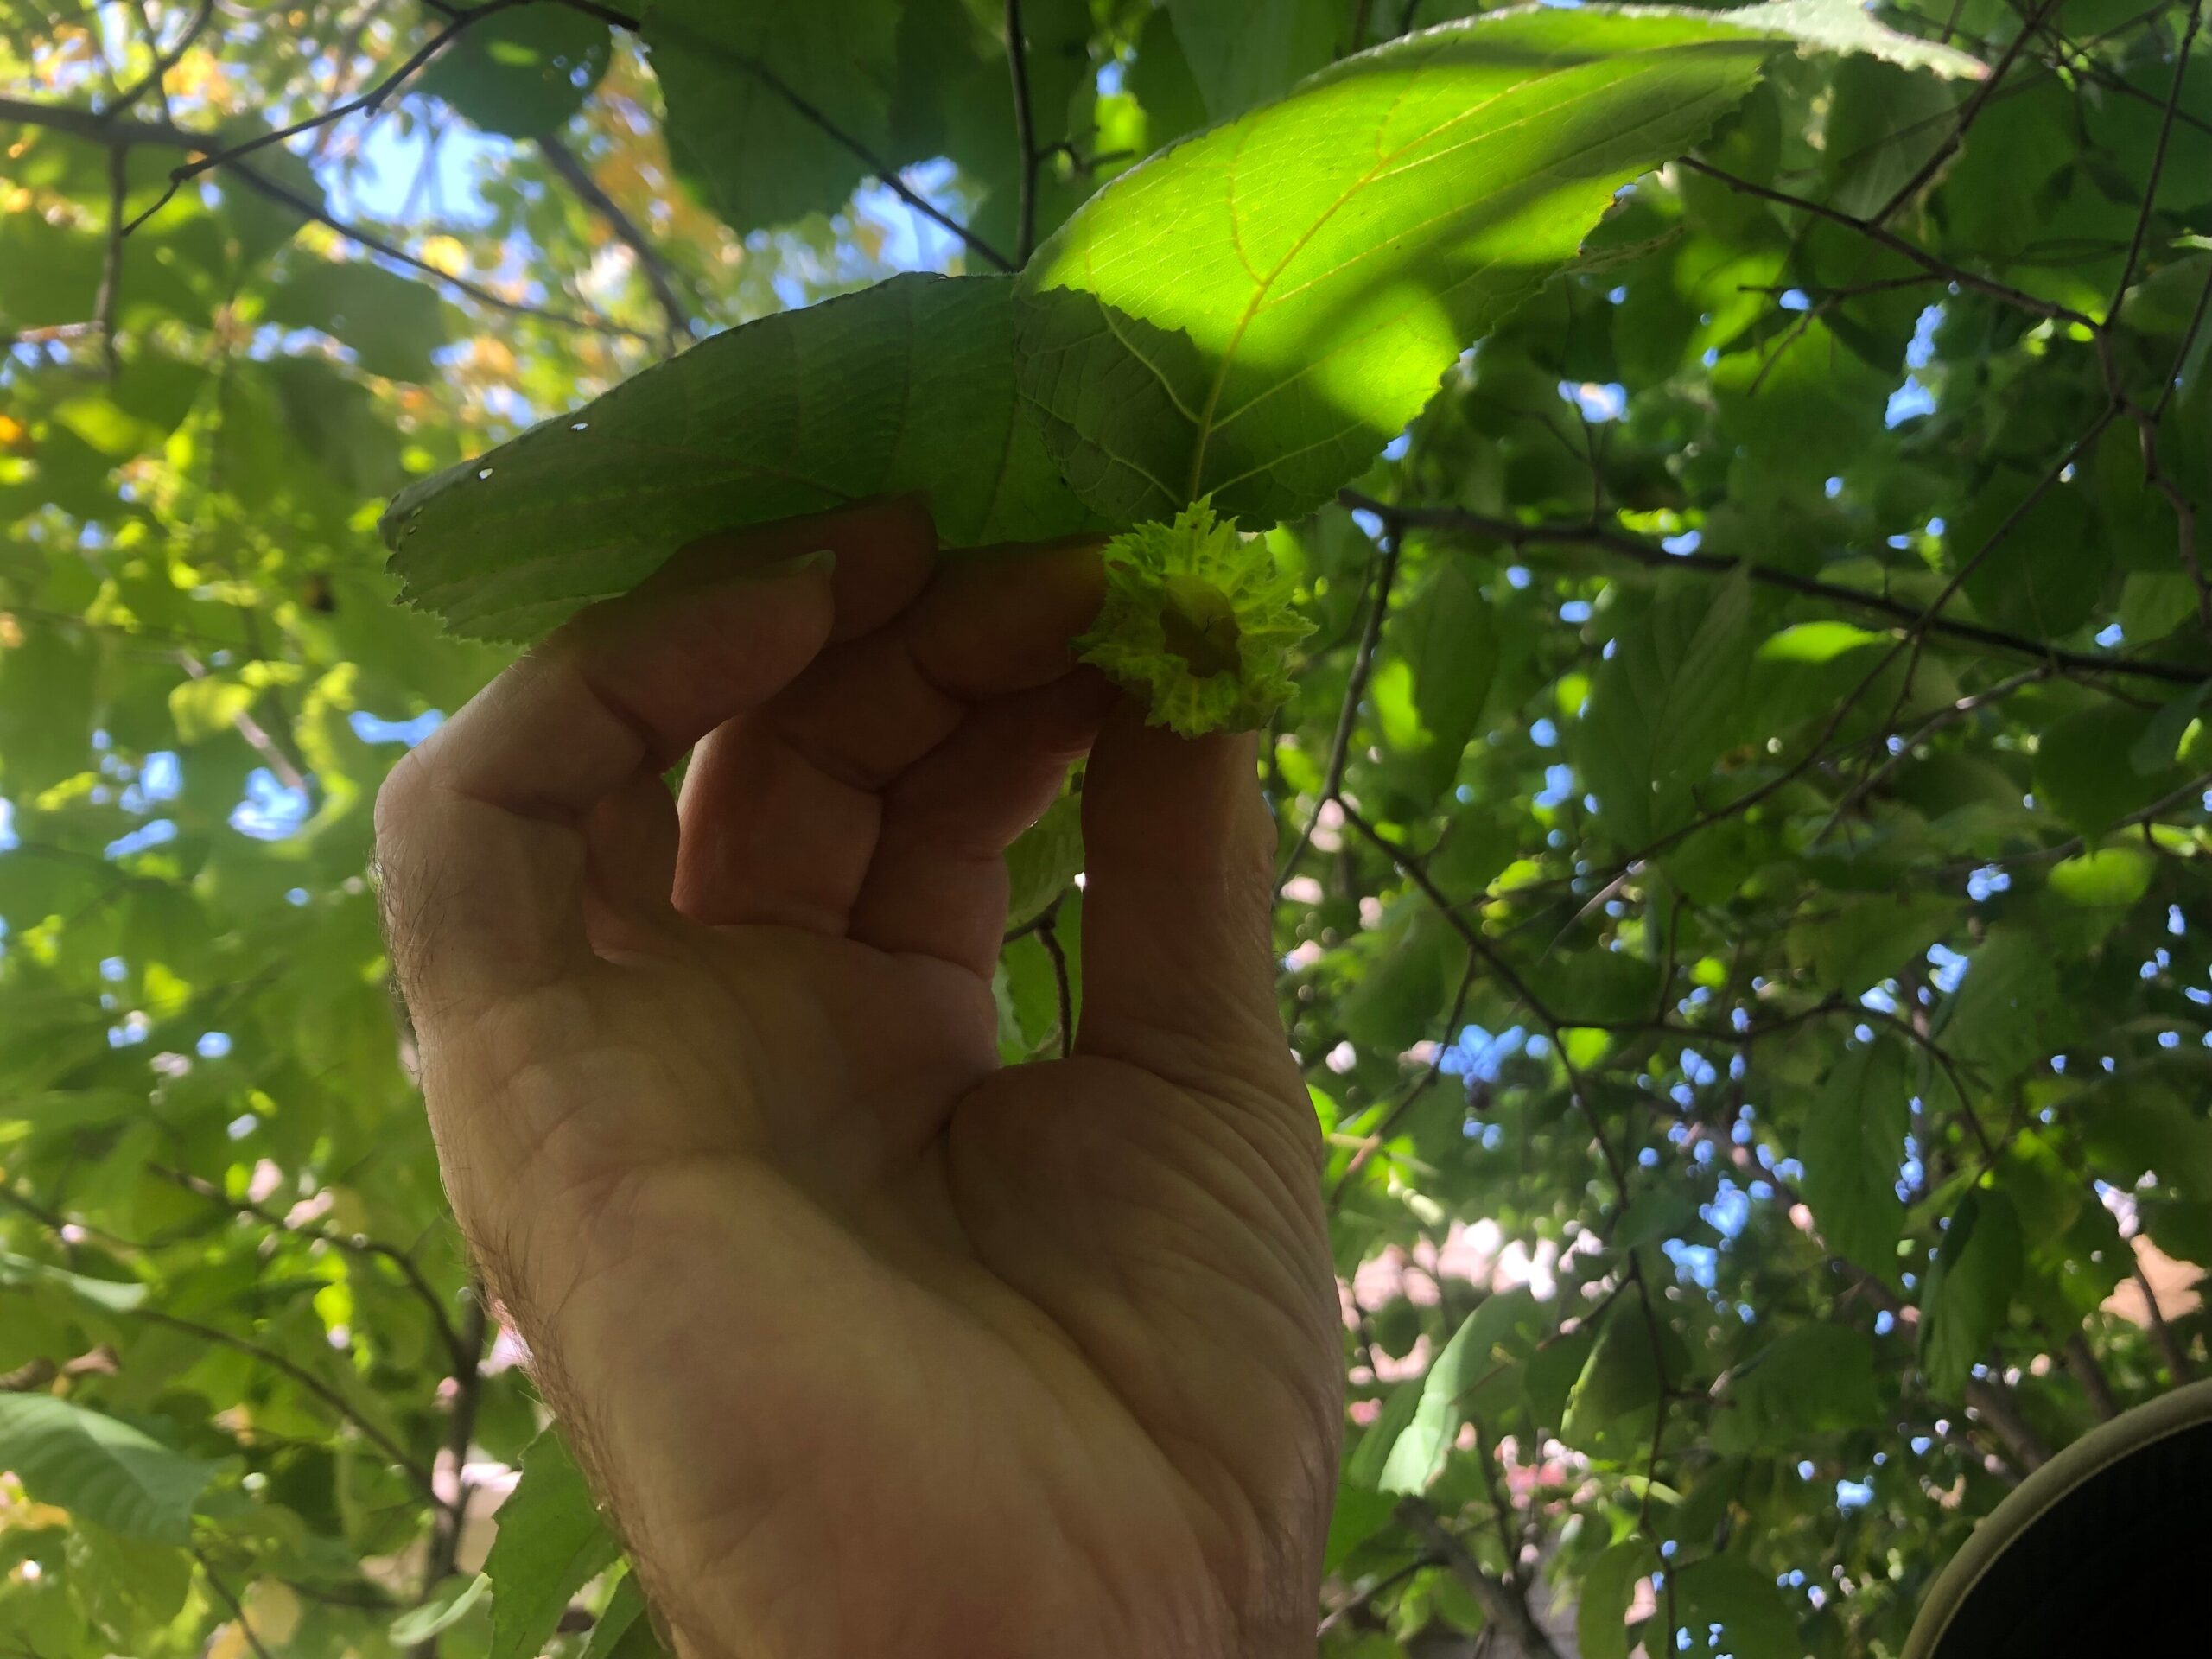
pixel 443 253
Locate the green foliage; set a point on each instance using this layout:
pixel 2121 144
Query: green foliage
pixel 1747 934
pixel 99 1468
pixel 916 378
pixel 550 1542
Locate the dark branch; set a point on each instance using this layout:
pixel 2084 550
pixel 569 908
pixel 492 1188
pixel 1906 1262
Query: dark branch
pixel 1613 540
pixel 1967 115
pixel 1024 132
pixel 2157 161
pixel 659 278
pixel 1502 1603
pixel 372 100
pixel 89 124
pixel 1893 242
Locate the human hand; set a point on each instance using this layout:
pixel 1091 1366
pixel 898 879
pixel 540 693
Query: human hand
pixel 873 1346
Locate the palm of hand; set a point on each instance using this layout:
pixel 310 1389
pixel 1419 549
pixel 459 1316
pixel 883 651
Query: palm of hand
pixel 877 1348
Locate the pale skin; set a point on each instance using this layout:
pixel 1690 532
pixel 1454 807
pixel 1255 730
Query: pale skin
pixel 873 1346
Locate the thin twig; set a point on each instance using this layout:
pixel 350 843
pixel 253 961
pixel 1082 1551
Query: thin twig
pixel 1471 937
pixel 1421 1085
pixel 1893 242
pixel 659 278
pixel 1048 936
pixel 306 1380
pixel 1967 115
pixel 238 1610
pixel 108 300
pixel 2157 160
pixel 1024 133
pixel 155 77
pixel 448 1335
pixel 1608 538
pixel 449 1519
pixel 372 100
pixel 1503 1603
pixel 886 174
pixel 1388 1581
pixel 88 124
pixel 1363 666
pixel 2179 1369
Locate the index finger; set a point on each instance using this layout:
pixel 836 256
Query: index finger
pixel 479 831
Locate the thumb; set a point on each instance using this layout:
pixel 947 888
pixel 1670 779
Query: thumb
pixel 1177 959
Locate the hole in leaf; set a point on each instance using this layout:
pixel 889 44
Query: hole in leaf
pixel 483 472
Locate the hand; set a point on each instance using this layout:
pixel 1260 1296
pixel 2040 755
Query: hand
pixel 873 1347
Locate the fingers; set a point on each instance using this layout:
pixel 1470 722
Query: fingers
pixel 485 834
pixel 1178 970
pixel 782 809
pixel 937 884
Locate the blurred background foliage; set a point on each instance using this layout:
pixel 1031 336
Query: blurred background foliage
pixel 1745 814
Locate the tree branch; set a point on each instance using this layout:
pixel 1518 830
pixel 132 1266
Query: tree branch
pixel 659 278
pixel 2157 158
pixel 885 172
pixel 1609 539
pixel 457 1349
pixel 1363 666
pixel 89 124
pixel 1967 115
pixel 1017 63
pixel 372 100
pixel 450 1516
pixel 237 1611
pixel 306 1380
pixel 1502 1603
pixel 1893 242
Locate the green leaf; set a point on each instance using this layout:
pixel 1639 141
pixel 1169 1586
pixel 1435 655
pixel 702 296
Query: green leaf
pixel 2086 770
pixel 110 1295
pixel 743 145
pixel 1864 942
pixel 1607 1591
pixel 391 324
pixel 1969 1289
pixel 1450 641
pixel 2145 1129
pixel 1241 52
pixel 1621 1375
pixel 2000 1016
pixel 906 386
pixel 1729 1595
pixel 100 1468
pixel 2042 576
pixel 207 706
pixel 1253 314
pixel 1815 1379
pixel 1043 859
pixel 1363 1469
pixel 1815 642
pixel 1163 84
pixel 1853 1149
pixel 2112 878
pixel 550 1541
pixel 623 1631
pixel 521 72
pixel 446 1605
pixel 1665 706
pixel 1417 1457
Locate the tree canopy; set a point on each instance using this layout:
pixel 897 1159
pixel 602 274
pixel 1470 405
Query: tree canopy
pixel 1744 798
